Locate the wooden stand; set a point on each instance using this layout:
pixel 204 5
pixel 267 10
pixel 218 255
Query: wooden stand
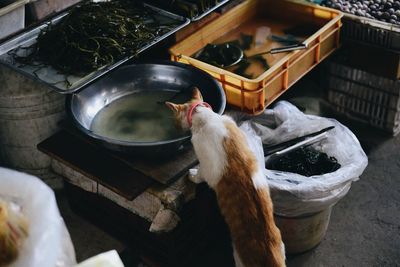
pixel 200 233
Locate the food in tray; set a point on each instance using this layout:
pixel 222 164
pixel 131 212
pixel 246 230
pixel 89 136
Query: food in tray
pixel 220 55
pixel 223 54
pixel 186 8
pixel 247 56
pixel 94 35
pixel 383 10
pixel 13 231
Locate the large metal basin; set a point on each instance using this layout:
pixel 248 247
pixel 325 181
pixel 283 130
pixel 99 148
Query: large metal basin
pixel 83 106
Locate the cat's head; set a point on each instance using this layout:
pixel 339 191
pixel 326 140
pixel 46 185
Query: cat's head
pixel 181 110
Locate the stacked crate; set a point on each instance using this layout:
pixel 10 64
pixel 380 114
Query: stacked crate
pixel 363 77
pixel 364 96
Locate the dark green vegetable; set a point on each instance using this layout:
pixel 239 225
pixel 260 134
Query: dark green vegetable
pixel 219 55
pixel 246 41
pixel 262 61
pixel 224 54
pixel 241 68
pixel 94 35
pixel 305 161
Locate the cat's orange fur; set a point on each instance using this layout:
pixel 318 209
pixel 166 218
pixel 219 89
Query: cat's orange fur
pixel 247 210
pixel 231 169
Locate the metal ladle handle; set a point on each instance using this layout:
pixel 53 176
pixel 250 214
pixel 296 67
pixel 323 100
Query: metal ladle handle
pixel 240 53
pixel 282 49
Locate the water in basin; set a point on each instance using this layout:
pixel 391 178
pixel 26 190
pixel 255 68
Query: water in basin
pixel 139 117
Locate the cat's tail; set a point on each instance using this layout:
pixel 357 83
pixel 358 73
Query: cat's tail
pixel 275 249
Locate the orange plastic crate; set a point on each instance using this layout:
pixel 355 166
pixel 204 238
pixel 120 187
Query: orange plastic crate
pixel 254 95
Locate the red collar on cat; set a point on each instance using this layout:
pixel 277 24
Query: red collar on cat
pixel 193 107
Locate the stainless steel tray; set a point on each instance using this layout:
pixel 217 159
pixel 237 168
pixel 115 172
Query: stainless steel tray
pixel 56 80
pixel 200 16
pixel 195 18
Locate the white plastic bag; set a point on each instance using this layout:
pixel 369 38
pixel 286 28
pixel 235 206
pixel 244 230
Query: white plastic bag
pixel 48 243
pixel 294 194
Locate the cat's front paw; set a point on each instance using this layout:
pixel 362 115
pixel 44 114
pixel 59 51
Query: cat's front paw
pixel 194 176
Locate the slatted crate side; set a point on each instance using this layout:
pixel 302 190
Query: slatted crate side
pixel 364 92
pixel 375 95
pixel 378 114
pixel 371 31
pixel 364 78
pixel 365 97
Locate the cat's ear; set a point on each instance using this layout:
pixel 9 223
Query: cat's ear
pixel 197 95
pixel 172 106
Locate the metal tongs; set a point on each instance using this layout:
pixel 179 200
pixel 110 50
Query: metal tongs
pixel 290 145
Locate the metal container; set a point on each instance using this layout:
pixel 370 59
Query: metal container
pixel 40 9
pixel 83 106
pixel 364 96
pixel 12 17
pixel 56 80
pixel 170 6
pixel 29 113
pixel 200 16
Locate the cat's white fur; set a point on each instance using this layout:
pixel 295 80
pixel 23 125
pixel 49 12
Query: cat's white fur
pixel 208 134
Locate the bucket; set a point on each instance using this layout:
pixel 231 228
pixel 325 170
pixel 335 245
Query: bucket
pixel 303 233
pixel 29 113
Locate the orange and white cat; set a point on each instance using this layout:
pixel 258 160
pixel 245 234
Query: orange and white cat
pixel 230 168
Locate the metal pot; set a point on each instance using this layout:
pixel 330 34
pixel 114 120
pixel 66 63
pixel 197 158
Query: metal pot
pixel 83 106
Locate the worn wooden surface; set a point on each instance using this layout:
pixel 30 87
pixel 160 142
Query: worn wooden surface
pixel 122 173
pixel 192 243
pixel 164 171
pixel 95 164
